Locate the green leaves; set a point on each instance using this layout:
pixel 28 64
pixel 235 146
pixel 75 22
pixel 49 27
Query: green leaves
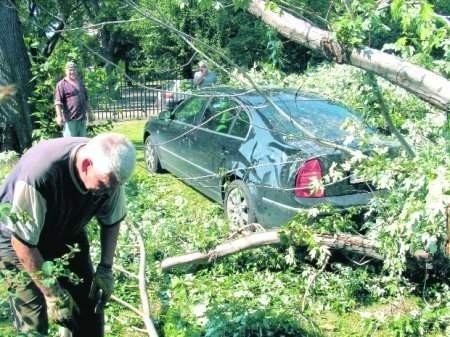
pixel 396 8
pixel 47 268
pixel 53 269
pixel 271 6
pixel 422 36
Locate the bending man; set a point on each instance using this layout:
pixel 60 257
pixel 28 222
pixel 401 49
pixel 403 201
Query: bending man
pixel 54 191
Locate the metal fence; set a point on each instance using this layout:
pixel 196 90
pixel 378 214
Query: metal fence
pixel 3 126
pixel 127 100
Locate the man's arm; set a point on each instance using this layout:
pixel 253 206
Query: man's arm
pixel 60 304
pixel 31 260
pixel 59 114
pixel 59 96
pixel 103 282
pixel 198 77
pixel 108 240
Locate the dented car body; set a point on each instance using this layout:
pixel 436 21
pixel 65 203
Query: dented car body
pixel 251 153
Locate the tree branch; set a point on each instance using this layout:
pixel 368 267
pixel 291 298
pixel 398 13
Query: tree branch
pixel 142 286
pixel 126 305
pixel 351 243
pixel 387 117
pixel 425 84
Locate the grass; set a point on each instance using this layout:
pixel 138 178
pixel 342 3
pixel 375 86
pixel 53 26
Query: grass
pixel 176 219
pixel 134 131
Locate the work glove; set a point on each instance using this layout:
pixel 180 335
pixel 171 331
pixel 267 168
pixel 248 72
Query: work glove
pixel 61 308
pixel 102 286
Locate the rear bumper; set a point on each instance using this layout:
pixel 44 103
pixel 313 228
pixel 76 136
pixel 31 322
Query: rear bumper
pixel 272 213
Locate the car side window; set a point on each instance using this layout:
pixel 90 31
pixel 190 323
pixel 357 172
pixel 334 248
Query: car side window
pixel 241 125
pixel 220 114
pixel 188 111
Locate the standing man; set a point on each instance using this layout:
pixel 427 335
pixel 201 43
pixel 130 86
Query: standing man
pixel 71 103
pixel 203 77
pixel 54 190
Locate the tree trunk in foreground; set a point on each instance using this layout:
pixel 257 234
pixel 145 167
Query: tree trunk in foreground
pixel 350 243
pixel 15 71
pixel 425 84
pixel 356 244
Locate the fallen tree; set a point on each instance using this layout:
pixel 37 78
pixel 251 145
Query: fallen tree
pixel 427 85
pixel 357 244
pixel 350 243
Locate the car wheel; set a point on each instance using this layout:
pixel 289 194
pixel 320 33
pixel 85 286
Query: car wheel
pixel 239 205
pixel 151 157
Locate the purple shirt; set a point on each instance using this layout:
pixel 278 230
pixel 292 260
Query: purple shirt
pixel 74 100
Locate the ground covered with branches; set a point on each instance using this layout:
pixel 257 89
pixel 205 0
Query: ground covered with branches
pixel 287 290
pixel 263 292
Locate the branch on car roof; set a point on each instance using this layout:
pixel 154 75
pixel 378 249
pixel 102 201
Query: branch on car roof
pixel 192 41
pixel 428 86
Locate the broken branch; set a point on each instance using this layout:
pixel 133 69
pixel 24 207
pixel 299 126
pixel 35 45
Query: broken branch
pixel 351 243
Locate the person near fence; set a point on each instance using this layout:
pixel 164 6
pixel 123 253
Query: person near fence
pixel 71 103
pixel 204 77
pixel 54 190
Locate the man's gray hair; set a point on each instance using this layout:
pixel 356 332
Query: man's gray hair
pixel 203 63
pixel 112 153
pixel 70 64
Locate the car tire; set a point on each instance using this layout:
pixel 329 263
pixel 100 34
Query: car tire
pixel 151 157
pixel 238 205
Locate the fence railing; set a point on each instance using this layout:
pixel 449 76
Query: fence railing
pixel 136 100
pixel 3 126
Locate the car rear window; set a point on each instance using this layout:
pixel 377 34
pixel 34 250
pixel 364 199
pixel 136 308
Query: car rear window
pixel 323 118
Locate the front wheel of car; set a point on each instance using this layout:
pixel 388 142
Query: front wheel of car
pixel 151 157
pixel 238 205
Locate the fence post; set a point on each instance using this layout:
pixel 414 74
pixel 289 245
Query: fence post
pixel 448 231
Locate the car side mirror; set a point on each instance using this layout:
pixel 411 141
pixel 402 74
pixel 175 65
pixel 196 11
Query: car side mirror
pixel 165 115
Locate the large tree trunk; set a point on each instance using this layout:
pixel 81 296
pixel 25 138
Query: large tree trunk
pixel 427 85
pixel 346 242
pixel 14 70
pixel 349 243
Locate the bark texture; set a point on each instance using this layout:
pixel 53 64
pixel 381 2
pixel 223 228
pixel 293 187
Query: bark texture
pixel 427 85
pixel 15 120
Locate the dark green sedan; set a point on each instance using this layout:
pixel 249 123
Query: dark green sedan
pixel 258 153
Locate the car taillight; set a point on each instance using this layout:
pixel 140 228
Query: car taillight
pixel 308 173
pixel 168 95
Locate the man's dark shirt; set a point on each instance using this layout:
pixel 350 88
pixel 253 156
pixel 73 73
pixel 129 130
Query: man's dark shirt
pixel 45 186
pixel 74 100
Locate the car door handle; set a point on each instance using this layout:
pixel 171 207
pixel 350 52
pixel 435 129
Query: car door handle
pixel 224 151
